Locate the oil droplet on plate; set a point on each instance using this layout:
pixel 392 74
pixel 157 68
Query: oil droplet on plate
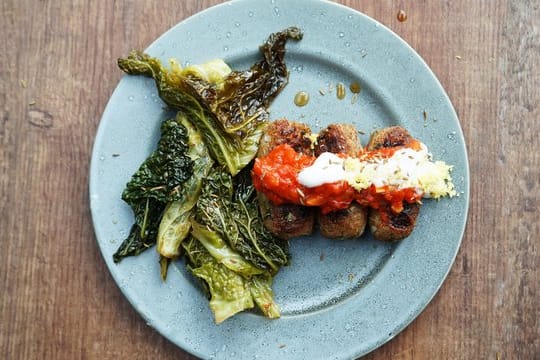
pixel 401 16
pixel 301 98
pixel 355 87
pixel 340 91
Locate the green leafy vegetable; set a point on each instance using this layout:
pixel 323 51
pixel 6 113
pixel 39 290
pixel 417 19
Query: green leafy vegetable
pixel 221 117
pixel 156 182
pixel 261 290
pixel 163 266
pixel 175 224
pixel 221 252
pixel 255 242
pixel 247 94
pixel 229 208
pixel 229 291
pixel 231 111
pixel 161 174
pixel 144 231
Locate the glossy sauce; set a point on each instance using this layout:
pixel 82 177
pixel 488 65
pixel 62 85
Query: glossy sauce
pixel 301 98
pixel 340 91
pixel 277 176
pixel 355 87
pixel 379 197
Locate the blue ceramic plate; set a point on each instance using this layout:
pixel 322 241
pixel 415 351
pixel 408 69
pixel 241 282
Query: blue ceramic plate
pixel 339 299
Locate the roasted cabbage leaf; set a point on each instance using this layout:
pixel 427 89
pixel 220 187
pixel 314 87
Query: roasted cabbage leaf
pixel 157 182
pixel 198 178
pixel 222 252
pixel 229 292
pixel 228 207
pixel 230 109
pixel 261 290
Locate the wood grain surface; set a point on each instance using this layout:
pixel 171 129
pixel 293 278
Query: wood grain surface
pixel 57 71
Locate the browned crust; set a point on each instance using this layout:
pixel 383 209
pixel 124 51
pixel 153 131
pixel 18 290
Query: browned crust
pixel 338 139
pixel 347 223
pixel 286 221
pixel 396 226
pixel 344 224
pixel 389 137
pixel 286 132
pixel 384 223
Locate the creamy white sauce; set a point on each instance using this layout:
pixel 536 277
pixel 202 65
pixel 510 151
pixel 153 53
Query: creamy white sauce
pixel 406 168
pixel 327 168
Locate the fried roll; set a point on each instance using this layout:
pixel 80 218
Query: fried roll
pixel 288 220
pixel 351 222
pixel 384 223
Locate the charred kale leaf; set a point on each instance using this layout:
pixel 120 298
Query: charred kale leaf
pixel 246 95
pixel 157 182
pixel 161 174
pixel 175 224
pixel 229 108
pixel 144 231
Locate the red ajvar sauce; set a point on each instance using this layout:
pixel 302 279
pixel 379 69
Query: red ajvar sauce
pixel 276 176
pixel 379 197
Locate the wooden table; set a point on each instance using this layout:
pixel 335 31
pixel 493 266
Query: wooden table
pixel 57 71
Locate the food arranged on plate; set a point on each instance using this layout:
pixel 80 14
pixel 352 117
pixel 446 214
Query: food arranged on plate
pixel 228 188
pixel 286 220
pixel 334 175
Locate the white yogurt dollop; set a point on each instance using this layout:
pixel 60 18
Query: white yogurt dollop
pixel 406 168
pixel 327 168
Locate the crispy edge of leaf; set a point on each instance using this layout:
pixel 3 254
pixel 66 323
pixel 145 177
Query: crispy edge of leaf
pixel 261 290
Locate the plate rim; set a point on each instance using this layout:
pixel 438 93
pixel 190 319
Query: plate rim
pixel 465 189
